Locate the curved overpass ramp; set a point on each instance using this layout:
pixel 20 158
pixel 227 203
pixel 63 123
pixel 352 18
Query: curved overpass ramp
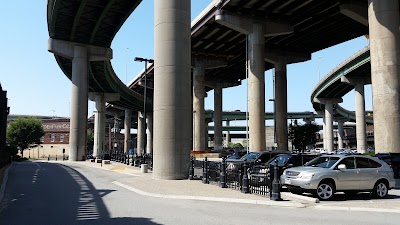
pixel 334 85
pixel 93 23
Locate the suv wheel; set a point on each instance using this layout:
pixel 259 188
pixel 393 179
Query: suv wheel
pixel 380 189
pixel 325 191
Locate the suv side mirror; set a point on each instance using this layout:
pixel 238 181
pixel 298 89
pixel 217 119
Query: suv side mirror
pixel 342 167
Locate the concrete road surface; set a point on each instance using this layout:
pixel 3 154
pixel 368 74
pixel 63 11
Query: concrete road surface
pixel 41 193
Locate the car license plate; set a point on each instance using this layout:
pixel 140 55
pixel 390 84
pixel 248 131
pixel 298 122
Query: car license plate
pixel 288 181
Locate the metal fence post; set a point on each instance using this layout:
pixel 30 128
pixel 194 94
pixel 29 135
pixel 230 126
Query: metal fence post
pixel 222 175
pixel 245 185
pixel 276 186
pixel 205 171
pixel 191 170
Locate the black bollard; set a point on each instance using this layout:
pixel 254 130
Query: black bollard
pixel 222 175
pixel 56 157
pixel 276 186
pixel 191 170
pixel 245 186
pixel 48 158
pixel 133 161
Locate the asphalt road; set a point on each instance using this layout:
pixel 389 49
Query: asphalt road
pixel 54 194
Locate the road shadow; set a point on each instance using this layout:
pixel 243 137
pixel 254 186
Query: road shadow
pixel 55 194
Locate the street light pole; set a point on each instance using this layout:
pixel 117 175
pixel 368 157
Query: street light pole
pixel 138 59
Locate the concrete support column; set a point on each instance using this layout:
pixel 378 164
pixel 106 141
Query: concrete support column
pixel 360 118
pixel 218 117
pixel 329 126
pixel 228 134
pixel 149 132
pixel 198 105
pixel 256 86
pixel 281 106
pixel 172 87
pixel 127 127
pixel 340 134
pixel 383 18
pixel 80 54
pixel 99 125
pixel 140 134
pixel 116 131
pixel 79 104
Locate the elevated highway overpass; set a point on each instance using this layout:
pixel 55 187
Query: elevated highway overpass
pixel 231 40
pixel 353 73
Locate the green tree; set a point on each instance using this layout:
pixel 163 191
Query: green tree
pixel 303 135
pixel 24 132
pixel 237 145
pixel 89 140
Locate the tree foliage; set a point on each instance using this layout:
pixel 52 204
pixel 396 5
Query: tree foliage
pixel 238 146
pixel 303 135
pixel 24 132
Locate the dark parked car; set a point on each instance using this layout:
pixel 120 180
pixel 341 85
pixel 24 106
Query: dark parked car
pixel 393 160
pixel 288 160
pixel 252 158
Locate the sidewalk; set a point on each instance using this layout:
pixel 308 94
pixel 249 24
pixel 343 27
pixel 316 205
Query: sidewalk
pixel 144 184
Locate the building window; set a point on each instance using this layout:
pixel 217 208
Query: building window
pixel 61 137
pixel 52 137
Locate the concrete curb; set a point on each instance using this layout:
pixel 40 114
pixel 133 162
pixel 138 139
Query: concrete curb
pixel 231 200
pixel 4 183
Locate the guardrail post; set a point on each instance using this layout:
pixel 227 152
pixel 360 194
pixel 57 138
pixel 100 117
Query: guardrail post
pixel 245 186
pixel 191 170
pixel 276 186
pixel 222 175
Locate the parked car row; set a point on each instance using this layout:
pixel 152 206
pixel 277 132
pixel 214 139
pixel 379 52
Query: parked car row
pixel 324 174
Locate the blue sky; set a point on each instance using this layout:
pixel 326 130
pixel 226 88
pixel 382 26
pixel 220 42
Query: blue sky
pixel 35 84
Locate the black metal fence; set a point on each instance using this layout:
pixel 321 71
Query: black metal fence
pixel 133 160
pixel 243 177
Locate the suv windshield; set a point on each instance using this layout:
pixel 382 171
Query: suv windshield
pixel 282 159
pixel 323 161
pixel 250 156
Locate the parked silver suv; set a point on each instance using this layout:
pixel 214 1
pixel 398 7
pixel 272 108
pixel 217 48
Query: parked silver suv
pixel 326 174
